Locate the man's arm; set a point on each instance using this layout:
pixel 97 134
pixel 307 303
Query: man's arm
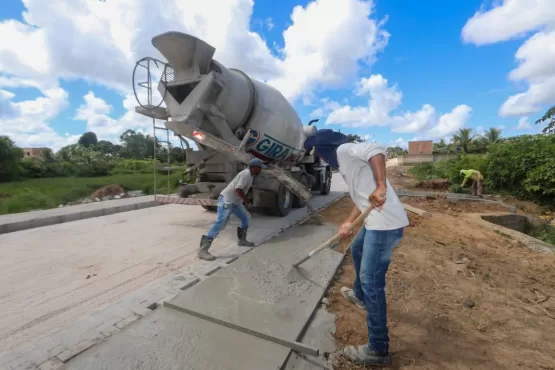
pixel 240 192
pixel 377 163
pixel 466 177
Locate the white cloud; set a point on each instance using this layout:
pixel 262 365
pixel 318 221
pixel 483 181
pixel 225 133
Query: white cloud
pixel 384 100
pixel 27 122
pixel 524 124
pixel 516 18
pixel 99 42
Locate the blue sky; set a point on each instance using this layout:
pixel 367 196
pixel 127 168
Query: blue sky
pixel 426 58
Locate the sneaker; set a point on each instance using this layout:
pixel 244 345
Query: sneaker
pixel 350 295
pixel 363 355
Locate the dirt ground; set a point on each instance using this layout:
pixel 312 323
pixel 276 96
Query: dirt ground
pixel 460 296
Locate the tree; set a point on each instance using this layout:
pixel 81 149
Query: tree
pixel 463 138
pixel 355 138
pixel 394 151
pixel 10 155
pixel 548 116
pixel 137 146
pixel 491 136
pixel 107 147
pixel 88 139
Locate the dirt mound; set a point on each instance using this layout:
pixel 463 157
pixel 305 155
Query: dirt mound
pixel 4 196
pixel 108 191
pixel 460 296
pixel 440 184
pixel 452 207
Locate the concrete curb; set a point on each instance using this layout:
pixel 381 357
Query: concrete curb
pixel 32 220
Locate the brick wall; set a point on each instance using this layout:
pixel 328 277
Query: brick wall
pixel 420 147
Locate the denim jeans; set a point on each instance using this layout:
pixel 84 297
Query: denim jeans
pixel 371 251
pixel 224 212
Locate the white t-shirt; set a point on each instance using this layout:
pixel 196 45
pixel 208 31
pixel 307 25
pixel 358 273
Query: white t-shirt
pixel 356 171
pixel 243 181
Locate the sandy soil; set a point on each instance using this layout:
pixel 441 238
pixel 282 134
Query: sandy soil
pixel 459 296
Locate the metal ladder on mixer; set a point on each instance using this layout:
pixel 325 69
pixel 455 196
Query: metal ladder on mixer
pixel 146 63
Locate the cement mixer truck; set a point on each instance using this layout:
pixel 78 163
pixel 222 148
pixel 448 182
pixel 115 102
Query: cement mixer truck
pixel 233 118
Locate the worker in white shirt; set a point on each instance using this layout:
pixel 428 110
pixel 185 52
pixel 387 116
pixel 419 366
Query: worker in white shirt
pixel 233 199
pixel 362 166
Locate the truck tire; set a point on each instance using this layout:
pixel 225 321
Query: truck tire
pixel 325 187
pixel 298 202
pixel 210 208
pixel 284 201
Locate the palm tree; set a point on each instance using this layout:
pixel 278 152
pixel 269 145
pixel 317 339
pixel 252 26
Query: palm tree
pixel 463 138
pixel 493 135
pixel 548 118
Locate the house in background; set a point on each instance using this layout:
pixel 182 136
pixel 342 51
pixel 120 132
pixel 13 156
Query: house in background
pixel 32 152
pixel 421 147
pixel 421 152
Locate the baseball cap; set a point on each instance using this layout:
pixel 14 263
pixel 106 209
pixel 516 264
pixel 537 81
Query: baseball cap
pixel 257 163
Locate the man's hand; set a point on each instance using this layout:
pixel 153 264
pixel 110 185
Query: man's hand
pixel 248 205
pixel 378 197
pixel 345 229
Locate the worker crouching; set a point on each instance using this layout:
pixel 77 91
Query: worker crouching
pixel 477 181
pixel 233 200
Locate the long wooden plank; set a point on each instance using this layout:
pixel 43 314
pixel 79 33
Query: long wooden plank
pixel 418 211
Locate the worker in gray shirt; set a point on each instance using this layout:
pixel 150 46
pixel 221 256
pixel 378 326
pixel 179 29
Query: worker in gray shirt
pixel 233 199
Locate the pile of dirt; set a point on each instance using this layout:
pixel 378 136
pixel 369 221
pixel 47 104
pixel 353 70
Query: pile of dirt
pixel 4 196
pixel 109 191
pixel 436 184
pixel 453 208
pixel 460 296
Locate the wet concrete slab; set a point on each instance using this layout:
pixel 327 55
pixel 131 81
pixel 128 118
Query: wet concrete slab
pixel 252 291
pixel 172 340
pixel 256 295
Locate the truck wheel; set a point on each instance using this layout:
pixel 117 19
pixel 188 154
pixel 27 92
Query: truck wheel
pixel 284 201
pixel 298 202
pixel 210 208
pixel 325 187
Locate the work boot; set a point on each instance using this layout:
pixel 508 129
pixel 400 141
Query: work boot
pixel 350 295
pixel 364 355
pixel 205 243
pixel 242 236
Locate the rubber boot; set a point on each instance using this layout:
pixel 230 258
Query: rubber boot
pixel 242 236
pixel 205 243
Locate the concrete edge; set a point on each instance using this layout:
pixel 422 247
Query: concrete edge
pixel 76 216
pixel 531 243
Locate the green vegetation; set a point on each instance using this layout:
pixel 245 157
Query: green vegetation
pixel 523 166
pixel 27 195
pixel 544 232
pixel 76 171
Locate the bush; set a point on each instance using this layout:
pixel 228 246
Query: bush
pixel 449 169
pixel 524 166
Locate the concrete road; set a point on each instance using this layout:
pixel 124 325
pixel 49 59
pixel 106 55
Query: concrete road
pixel 68 285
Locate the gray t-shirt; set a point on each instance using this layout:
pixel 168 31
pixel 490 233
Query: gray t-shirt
pixel 242 181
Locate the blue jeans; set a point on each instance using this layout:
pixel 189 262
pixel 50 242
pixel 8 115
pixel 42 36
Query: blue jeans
pixel 224 212
pixel 371 251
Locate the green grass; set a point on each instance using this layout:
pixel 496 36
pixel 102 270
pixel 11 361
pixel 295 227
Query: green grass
pixel 544 232
pixel 22 196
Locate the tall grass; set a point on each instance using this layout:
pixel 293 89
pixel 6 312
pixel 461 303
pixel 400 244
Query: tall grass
pixel 22 196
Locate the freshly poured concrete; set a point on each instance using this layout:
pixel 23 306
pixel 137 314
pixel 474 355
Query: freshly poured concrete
pixel 255 294
pixel 252 292
pixel 172 340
